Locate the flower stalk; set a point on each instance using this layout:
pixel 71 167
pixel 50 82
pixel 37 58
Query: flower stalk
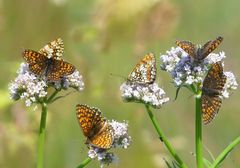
pixel 42 134
pixel 164 139
pixel 198 131
pixel 42 128
pixel 85 162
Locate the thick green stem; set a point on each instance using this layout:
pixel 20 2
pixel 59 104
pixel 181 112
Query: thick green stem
pixel 225 152
pixel 85 162
pixel 198 132
pixel 41 140
pixel 164 139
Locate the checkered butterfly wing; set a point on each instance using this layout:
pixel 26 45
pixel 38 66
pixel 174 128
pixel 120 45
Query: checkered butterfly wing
pixel 188 47
pixel 37 62
pixel 58 69
pixel 212 87
pixel 53 49
pixel 209 47
pixel 145 71
pixel 97 130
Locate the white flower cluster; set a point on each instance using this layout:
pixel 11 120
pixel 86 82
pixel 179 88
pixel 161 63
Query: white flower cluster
pixel 183 69
pixel 32 88
pixel 121 140
pixel 151 94
pixel 27 86
pixel 231 84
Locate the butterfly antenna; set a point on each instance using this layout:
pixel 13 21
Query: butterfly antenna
pixel 117 75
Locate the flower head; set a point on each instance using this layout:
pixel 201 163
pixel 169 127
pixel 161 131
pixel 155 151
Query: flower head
pixel 151 94
pixel 32 88
pixel 183 69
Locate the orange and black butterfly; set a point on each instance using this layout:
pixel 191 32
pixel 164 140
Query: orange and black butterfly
pixel 199 53
pixel 95 128
pixel 211 91
pixel 48 62
pixel 145 71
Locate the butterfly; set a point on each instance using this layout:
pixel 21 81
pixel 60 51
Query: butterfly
pixel 96 129
pixel 212 87
pixel 47 62
pixel 144 72
pixel 199 53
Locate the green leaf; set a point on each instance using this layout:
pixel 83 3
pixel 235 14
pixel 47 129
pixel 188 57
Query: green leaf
pixel 206 162
pixel 177 91
pixel 225 152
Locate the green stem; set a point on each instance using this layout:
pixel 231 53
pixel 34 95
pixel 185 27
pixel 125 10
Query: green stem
pixel 164 139
pixel 85 162
pixel 41 140
pixel 198 132
pixel 225 152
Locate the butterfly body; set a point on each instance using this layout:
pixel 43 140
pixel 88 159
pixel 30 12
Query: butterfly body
pixel 95 128
pixel 211 91
pixel 144 72
pixel 199 53
pixel 48 63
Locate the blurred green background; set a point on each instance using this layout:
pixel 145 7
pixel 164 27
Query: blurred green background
pixel 103 37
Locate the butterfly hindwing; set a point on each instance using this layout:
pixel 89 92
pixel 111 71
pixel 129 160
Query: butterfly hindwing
pixel 210 107
pixel 145 71
pixel 104 138
pixel 58 69
pixel 97 130
pixel 53 49
pixel 188 47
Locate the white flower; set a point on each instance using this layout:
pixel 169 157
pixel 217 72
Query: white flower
pixel 27 86
pixel 121 137
pixel 231 84
pixel 151 94
pixel 184 70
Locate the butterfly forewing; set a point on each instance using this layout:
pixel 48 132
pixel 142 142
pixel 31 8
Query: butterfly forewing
pixel 36 61
pixel 58 69
pixel 211 91
pixel 98 132
pixel 145 71
pixel 209 47
pixel 53 49
pixel 215 78
pixel 188 47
